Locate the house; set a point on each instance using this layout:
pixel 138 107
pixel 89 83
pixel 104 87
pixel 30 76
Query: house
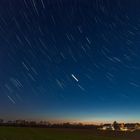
pixel 122 127
pixel 20 121
pixel 132 126
pixel 107 127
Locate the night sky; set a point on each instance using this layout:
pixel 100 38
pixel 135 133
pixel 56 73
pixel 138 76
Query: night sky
pixel 70 60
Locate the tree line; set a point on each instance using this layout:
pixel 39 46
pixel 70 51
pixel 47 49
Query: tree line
pixel 45 124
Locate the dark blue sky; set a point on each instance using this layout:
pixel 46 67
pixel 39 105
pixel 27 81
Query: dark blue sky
pixel 70 60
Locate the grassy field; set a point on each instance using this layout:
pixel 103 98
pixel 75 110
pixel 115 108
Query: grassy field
pixel 14 133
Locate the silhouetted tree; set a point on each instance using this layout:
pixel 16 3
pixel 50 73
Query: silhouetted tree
pixel 116 125
pixel 1 121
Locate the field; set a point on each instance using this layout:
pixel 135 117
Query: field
pixel 16 133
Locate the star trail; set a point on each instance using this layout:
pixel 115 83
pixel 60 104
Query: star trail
pixel 70 60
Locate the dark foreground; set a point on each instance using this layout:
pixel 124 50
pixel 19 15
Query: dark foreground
pixel 17 133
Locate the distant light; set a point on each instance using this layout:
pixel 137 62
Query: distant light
pixel 74 78
pixel 11 100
